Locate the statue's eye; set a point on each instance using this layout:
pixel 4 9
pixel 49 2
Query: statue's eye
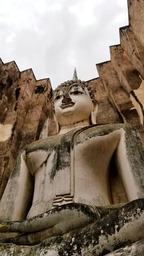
pixel 76 92
pixel 57 97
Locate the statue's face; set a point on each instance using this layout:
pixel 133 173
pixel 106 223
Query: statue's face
pixel 72 104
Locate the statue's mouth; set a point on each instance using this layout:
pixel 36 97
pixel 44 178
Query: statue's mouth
pixel 67 105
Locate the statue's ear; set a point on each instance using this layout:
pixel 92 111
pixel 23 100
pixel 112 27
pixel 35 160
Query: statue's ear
pixel 57 124
pixel 50 127
pixel 94 113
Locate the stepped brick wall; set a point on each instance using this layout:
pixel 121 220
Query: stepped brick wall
pixel 24 106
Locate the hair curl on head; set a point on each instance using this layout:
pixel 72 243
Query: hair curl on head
pixel 77 82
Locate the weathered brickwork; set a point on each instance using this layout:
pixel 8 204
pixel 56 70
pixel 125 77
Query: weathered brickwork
pixel 24 106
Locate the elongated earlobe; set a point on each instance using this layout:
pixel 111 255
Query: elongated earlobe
pixel 94 114
pixel 57 124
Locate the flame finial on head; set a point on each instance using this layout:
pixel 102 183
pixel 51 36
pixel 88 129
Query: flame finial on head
pixel 75 77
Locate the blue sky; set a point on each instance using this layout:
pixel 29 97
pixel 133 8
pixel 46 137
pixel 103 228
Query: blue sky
pixel 54 36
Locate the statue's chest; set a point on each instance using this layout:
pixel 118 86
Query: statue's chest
pixel 59 164
pixel 58 155
pixel 52 162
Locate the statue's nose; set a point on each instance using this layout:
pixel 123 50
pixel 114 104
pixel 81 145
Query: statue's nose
pixel 66 99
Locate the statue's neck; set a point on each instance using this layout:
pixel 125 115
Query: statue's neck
pixel 68 128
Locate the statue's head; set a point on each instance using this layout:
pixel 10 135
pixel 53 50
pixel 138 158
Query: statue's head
pixel 74 103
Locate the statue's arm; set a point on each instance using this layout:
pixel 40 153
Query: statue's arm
pixel 130 163
pixel 17 196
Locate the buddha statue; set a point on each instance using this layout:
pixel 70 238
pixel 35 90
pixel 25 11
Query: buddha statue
pixel 66 181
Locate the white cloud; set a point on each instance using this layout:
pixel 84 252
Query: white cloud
pixel 122 3
pixel 84 12
pixel 54 36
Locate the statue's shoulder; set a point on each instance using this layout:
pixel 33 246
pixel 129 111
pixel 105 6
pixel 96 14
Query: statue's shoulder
pixel 92 131
pixel 108 128
pixel 42 144
pixel 100 130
